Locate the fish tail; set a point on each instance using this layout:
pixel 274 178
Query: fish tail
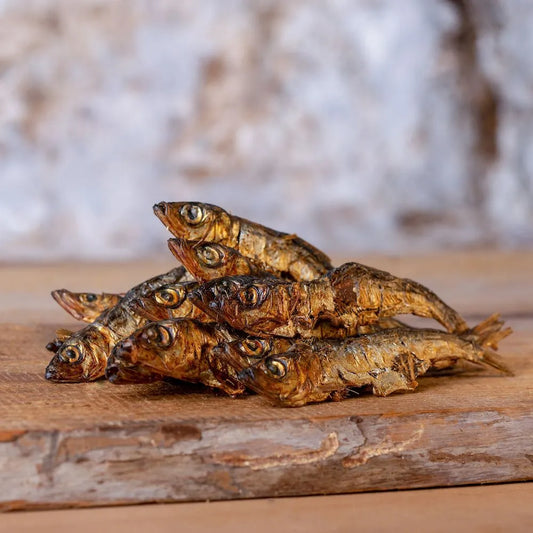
pixel 491 358
pixel 489 333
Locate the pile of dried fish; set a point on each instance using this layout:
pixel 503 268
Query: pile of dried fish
pixel 256 309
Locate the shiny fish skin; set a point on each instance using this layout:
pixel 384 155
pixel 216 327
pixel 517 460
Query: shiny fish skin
pixel 332 306
pixel 179 348
pixel 387 361
pixel 289 254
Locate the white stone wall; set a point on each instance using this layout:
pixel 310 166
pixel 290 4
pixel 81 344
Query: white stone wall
pixel 391 125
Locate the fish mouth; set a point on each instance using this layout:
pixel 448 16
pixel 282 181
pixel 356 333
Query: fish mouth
pixel 201 298
pixel 179 249
pixel 123 367
pixel 145 307
pixel 52 373
pixel 246 375
pixel 233 358
pixel 163 212
pixel 68 303
pixel 160 210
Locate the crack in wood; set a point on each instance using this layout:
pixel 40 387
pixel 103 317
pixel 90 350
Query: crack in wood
pixel 328 447
pixel 386 447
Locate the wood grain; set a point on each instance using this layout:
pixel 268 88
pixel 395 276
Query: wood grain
pixel 99 444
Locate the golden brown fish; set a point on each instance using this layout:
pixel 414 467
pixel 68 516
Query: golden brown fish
pixel 85 306
pixel 210 260
pixel 83 356
pixel 332 306
pixel 196 221
pixel 178 348
pixel 387 361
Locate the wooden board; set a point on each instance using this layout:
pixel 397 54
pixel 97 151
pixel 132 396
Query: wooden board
pixel 100 444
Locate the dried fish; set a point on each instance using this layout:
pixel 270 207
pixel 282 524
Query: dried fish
pixel 83 356
pixel 210 260
pixel 334 305
pixel 286 253
pixel 178 348
pixel 387 361
pixel 86 306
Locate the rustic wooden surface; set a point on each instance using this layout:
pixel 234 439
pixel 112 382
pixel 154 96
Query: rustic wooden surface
pixel 99 444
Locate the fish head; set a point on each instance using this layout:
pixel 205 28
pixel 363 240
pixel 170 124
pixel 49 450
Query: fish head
pixel 158 346
pixel 121 368
pixel 282 377
pixel 255 305
pixel 165 301
pixel 209 260
pixel 195 221
pixel 81 357
pixel 85 306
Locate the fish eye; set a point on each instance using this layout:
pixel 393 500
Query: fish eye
pixel 158 335
pixel 276 367
pixel 72 354
pixel 254 347
pixel 212 256
pixel 249 296
pixel 193 214
pixel 90 297
pixel 170 297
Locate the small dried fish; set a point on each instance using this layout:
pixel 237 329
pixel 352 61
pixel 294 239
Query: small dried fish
pixel 286 253
pixel 86 306
pixel 387 361
pixel 83 356
pixel 177 348
pixel 332 306
pixel 210 260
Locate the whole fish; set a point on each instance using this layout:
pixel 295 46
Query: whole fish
pixel 196 221
pixel 86 306
pixel 252 349
pixel 332 306
pixel 387 361
pixel 209 260
pixel 179 348
pixel 83 356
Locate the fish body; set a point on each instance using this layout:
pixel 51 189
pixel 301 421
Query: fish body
pixel 387 361
pixel 335 305
pixel 83 356
pixel 178 348
pixel 289 254
pixel 86 306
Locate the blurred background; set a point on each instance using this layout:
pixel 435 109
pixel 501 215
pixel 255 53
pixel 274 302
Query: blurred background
pixel 396 126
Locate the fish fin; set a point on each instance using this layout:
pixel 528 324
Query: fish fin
pixel 63 334
pixel 492 359
pixel 290 237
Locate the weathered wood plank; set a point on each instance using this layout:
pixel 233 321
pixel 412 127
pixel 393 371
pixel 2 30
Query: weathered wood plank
pixel 99 444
